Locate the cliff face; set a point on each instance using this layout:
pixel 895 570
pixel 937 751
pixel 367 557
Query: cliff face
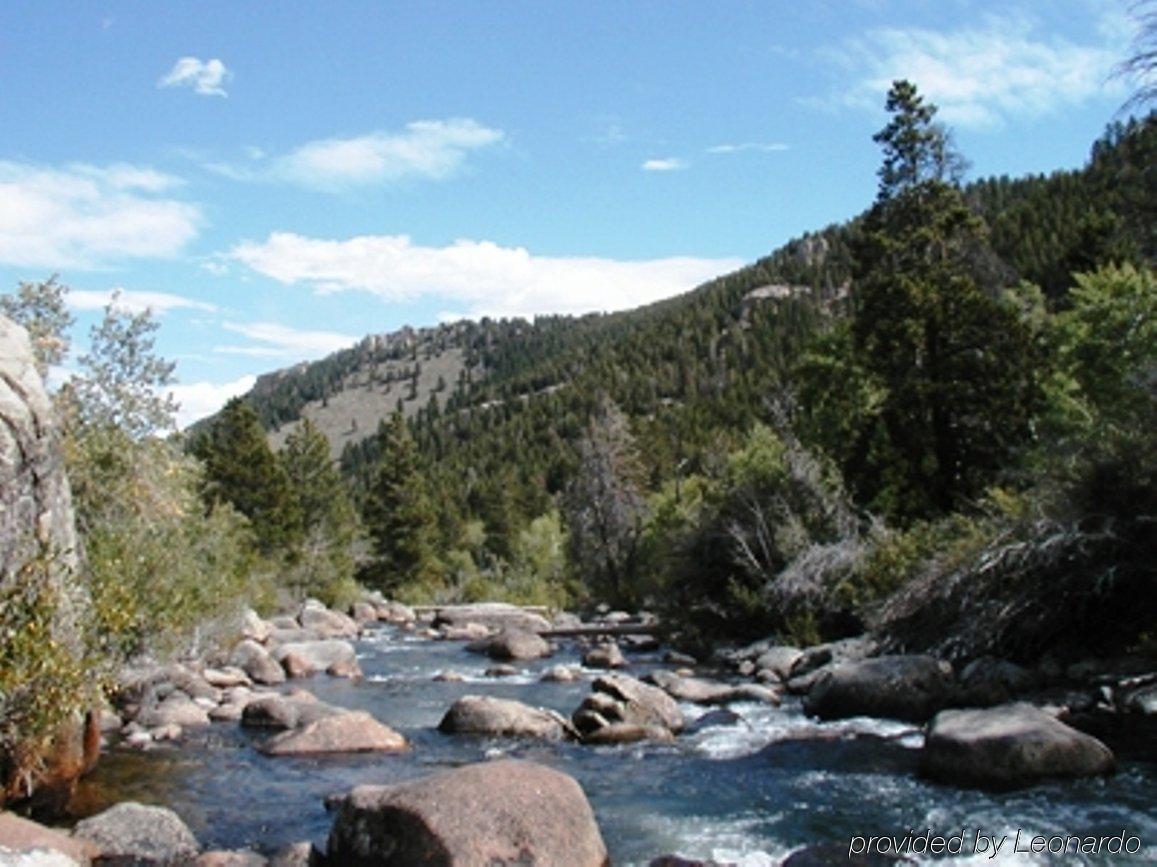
pixel 39 566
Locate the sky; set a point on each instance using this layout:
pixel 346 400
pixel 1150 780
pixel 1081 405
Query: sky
pixel 277 180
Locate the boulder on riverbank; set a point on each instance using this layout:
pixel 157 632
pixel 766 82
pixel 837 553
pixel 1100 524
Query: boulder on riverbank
pixel 504 812
pixel 911 688
pixel 18 834
pixel 486 715
pixel 313 656
pixel 325 623
pixel 132 833
pixel 257 663
pixel 1008 747
pixel 699 691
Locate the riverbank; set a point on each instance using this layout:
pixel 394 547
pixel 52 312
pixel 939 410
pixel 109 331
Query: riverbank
pixel 744 781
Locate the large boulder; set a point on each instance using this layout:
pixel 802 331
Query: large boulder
pixel 513 644
pixel 495 615
pixel 700 691
pixel 909 688
pixel 257 663
pixel 344 732
pixel 318 655
pixel 504 812
pixel 176 709
pixel 779 660
pixel 619 699
pixel 132 833
pixel 604 656
pixel 315 617
pixel 486 715
pixel 39 554
pixel 1007 747
pixel 285 711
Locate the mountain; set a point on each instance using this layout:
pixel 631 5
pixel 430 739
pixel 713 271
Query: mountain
pixel 496 406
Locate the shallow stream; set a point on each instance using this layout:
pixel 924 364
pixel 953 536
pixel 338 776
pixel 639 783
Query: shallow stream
pixel 747 793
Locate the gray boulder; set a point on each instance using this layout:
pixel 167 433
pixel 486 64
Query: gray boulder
pixel 257 663
pixel 779 660
pixel 1008 747
pixel 844 650
pixel 604 656
pixel 616 698
pixel 317 655
pixel 315 617
pixel 285 711
pixel 911 688
pixel 135 833
pixel 485 715
pixel 513 644
pixel 504 812
pixel 177 709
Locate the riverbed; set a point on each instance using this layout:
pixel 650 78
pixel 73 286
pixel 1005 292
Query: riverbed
pixel 747 791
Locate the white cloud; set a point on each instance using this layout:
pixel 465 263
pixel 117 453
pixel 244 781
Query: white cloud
pixel 199 399
pixel 487 279
pixel 205 77
pixel 83 216
pixel 979 76
pixel 664 164
pixel 134 302
pixel 281 340
pixel 760 147
pixel 432 149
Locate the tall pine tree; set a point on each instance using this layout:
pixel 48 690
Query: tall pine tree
pixel 241 469
pixel 398 515
pixel 952 360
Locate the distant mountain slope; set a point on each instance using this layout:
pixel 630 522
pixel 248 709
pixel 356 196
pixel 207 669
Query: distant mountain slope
pixel 691 372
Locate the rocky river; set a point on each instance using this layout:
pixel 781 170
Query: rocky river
pixel 746 783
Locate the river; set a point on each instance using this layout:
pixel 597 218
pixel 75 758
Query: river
pixel 747 793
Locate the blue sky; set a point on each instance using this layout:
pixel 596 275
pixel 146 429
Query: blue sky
pixel 277 180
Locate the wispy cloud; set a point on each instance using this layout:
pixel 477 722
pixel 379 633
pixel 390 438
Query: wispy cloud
pixel 757 146
pixel 481 277
pixel 274 339
pixel 204 77
pixel 664 164
pixel 86 216
pixel 134 302
pixel 980 76
pixel 429 149
pixel 200 399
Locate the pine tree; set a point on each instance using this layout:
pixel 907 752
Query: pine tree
pixel 241 469
pixel 327 517
pixel 953 361
pixel 398 515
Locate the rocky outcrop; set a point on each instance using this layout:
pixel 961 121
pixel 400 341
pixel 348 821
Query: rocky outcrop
pixel 132 833
pixel 1008 747
pixel 911 688
pixel 504 812
pixel 486 715
pixel 618 699
pixel 39 555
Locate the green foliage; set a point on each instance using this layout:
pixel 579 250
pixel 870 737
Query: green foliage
pixel 122 378
pixel 41 309
pixel 953 362
pixel 322 563
pixel 240 469
pixel 157 563
pixel 398 516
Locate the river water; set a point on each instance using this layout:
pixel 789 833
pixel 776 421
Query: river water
pixel 747 793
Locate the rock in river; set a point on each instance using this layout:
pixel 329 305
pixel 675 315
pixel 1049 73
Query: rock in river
pixel 911 688
pixel 132 833
pixel 345 732
pixel 478 714
pixel 1007 747
pixel 503 812
pixel 616 698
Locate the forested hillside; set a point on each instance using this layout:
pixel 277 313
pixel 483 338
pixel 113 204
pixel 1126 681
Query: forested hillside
pixel 669 433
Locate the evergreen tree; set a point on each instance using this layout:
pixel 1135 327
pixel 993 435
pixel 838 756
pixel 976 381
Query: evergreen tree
pixel 328 521
pixel 241 469
pixel 398 515
pixel 952 360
